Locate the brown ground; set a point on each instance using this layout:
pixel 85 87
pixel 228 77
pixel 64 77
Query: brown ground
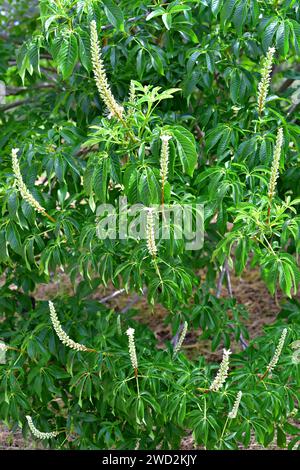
pixel 248 290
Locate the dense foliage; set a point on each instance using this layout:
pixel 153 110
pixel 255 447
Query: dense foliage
pixel 191 74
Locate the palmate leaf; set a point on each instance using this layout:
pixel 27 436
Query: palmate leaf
pixel 283 269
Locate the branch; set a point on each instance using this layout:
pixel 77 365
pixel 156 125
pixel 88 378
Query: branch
pixel 130 20
pixel 18 90
pixel 111 296
pixel 15 104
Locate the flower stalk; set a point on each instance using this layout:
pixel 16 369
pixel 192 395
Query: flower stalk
pixel 40 434
pixel 65 339
pixel 181 339
pixel 164 161
pixel 119 327
pixel 26 195
pixel 132 350
pixel 131 97
pixel 277 353
pixel 236 405
pixel 275 169
pixel 222 374
pixel 104 89
pixel 151 245
pixel 264 84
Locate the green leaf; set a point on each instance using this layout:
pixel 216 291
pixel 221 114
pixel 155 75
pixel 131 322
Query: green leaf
pixel 167 20
pixel 68 55
pixel 84 50
pixel 3 246
pixel 13 205
pixel 227 11
pixel 13 238
pixel 186 148
pixel 157 62
pixel 114 14
pixel 100 179
pixel 282 38
pixel 268 34
pixel 158 12
pixel 235 82
pixel 149 188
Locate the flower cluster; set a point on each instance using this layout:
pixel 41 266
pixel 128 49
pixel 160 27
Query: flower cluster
pixel 39 434
pixel 263 86
pixel 164 157
pixel 119 326
pixel 131 345
pixel 100 76
pixel 222 372
pixel 275 163
pixel 26 195
pixel 151 245
pixel 61 333
pixel 278 351
pixel 235 407
pixel 181 339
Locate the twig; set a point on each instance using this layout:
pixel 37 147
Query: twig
pixel 225 270
pixel 111 296
pixel 220 282
pixel 130 20
pixel 18 90
pixel 15 104
pixel 130 304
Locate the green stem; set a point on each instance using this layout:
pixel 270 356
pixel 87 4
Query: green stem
pixel 224 429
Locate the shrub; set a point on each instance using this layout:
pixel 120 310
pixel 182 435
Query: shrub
pixel 187 104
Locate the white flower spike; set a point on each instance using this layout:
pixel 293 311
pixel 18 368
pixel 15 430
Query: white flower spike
pixel 263 86
pixel 26 195
pixel 222 372
pixel 151 245
pixel 65 339
pixel 181 339
pixel 235 408
pixel 39 434
pixel 275 164
pixel 164 159
pixel 278 351
pixel 132 351
pixel 100 76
